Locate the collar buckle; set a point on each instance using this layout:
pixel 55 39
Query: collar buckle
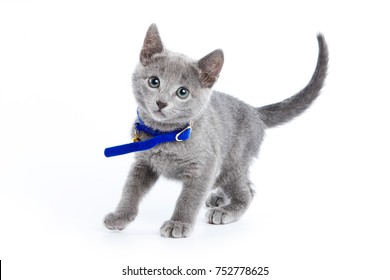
pixel 181 132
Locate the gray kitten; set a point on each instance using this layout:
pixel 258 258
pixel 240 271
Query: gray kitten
pixel 173 90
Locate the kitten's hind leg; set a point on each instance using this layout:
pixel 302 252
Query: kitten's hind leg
pixel 240 195
pixel 217 198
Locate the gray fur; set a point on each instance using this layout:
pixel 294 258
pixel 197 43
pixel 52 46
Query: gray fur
pixel 226 135
pixel 281 112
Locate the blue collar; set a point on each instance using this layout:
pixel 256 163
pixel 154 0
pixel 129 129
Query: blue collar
pixel 158 138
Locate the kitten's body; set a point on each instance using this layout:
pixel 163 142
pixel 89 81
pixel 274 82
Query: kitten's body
pixel 226 135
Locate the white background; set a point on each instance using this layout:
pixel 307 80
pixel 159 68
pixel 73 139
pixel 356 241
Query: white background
pixel 322 205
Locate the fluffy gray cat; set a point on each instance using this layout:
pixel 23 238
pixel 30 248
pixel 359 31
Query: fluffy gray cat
pixel 172 91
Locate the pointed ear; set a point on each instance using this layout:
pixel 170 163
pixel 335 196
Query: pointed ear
pixel 210 66
pixel 152 45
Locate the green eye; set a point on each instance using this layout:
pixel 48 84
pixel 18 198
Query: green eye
pixel 154 82
pixel 182 92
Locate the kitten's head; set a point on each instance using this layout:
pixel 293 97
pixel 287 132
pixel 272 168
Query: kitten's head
pixel 172 88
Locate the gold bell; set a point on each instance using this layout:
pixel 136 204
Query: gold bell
pixel 136 139
pixel 136 136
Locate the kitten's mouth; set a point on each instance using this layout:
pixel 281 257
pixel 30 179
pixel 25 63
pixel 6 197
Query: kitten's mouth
pixel 158 114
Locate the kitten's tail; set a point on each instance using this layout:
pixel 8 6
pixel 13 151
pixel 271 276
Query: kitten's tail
pixel 284 111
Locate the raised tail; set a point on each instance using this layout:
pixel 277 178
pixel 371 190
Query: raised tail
pixel 284 111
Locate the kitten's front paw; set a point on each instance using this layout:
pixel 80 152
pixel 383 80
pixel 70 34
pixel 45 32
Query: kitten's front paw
pixel 219 216
pixel 114 221
pixel 216 199
pixel 175 229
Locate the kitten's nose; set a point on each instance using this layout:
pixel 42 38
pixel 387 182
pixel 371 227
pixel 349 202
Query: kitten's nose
pixel 161 105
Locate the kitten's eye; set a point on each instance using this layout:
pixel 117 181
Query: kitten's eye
pixel 154 82
pixel 182 92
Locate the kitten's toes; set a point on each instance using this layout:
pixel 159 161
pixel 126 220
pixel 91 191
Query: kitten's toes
pixel 215 200
pixel 114 221
pixel 219 216
pixel 175 229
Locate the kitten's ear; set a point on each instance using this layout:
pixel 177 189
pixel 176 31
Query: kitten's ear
pixel 210 66
pixel 152 45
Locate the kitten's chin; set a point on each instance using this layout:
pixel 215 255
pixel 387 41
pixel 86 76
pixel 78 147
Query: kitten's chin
pixel 163 119
pixel 158 116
